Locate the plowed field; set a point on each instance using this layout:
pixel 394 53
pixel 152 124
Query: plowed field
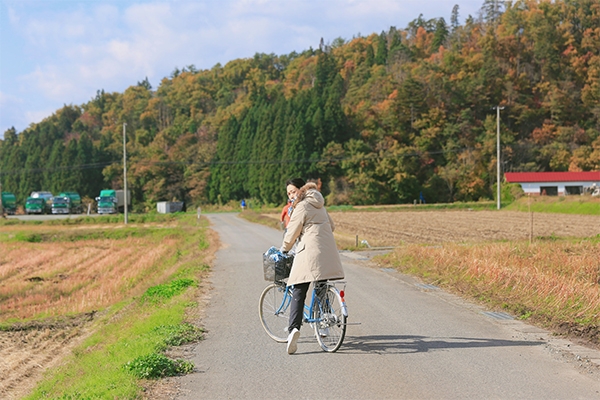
pixel 380 228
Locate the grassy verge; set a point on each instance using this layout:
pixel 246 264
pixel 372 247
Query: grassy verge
pixel 585 205
pixel 104 219
pixel 130 342
pixel 553 283
pixel 254 216
pixel 479 205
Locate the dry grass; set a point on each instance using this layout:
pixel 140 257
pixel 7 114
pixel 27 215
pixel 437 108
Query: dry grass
pixel 49 279
pixel 552 282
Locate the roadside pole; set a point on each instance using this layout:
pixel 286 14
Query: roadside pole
pixel 498 108
pixel 1 209
pixel 125 172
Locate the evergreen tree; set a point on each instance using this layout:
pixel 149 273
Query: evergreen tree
pixel 220 187
pixel 454 23
pixel 382 50
pixel 440 35
pixel 88 172
pixel 71 167
pixel 370 59
pixel 395 42
pixel 12 172
pixel 492 10
pixel 31 174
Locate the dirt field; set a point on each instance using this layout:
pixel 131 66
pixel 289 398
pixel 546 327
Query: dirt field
pixel 61 278
pixel 395 228
pixel 28 351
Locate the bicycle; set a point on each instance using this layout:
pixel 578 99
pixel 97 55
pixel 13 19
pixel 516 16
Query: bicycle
pixel 326 313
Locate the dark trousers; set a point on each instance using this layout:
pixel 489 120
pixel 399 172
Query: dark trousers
pixel 297 305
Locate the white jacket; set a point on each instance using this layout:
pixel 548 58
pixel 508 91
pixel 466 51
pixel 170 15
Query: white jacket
pixel 317 257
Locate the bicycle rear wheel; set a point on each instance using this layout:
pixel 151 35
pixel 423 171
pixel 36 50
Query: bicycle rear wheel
pixel 330 325
pixel 274 311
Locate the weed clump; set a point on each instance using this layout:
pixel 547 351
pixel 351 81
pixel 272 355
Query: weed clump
pixel 155 366
pixel 167 290
pixel 177 335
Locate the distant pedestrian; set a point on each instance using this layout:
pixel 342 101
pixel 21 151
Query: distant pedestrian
pixel 316 181
pixel 285 215
pixel 243 205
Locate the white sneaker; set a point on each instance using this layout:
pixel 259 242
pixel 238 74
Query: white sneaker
pixel 292 342
pixel 324 332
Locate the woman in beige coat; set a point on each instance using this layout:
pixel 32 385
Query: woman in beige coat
pixel 317 257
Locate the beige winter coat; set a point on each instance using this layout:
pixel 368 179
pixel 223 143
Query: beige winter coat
pixel 317 257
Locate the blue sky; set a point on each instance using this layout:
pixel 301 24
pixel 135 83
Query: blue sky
pixel 56 52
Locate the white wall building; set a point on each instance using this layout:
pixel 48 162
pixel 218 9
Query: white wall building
pixel 555 183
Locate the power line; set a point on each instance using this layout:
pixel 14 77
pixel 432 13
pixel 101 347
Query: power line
pixel 229 162
pixel 365 157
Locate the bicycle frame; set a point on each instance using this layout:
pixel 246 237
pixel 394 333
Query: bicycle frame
pixel 308 310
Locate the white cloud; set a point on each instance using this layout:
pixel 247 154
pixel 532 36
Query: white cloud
pixel 39 115
pixel 13 17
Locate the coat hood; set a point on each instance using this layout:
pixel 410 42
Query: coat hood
pixel 311 195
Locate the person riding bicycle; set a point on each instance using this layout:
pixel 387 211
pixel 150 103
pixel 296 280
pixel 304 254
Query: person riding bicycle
pixel 317 258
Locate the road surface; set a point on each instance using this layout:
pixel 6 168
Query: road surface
pixel 414 341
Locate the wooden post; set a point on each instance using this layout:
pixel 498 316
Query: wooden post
pixel 530 220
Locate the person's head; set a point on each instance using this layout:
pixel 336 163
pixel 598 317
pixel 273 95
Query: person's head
pixel 292 186
pixel 316 181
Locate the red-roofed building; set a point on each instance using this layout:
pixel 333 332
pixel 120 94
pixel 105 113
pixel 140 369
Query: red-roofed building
pixel 555 183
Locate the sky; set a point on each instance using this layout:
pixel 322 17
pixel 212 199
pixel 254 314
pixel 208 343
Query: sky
pixel 57 52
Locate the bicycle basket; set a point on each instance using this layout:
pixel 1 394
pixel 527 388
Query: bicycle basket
pixel 277 267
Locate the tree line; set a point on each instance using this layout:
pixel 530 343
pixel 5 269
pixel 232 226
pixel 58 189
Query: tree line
pixel 383 118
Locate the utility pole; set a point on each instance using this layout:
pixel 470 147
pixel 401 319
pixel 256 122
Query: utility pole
pixel 498 108
pixel 125 171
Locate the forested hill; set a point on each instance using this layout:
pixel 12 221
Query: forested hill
pixel 380 119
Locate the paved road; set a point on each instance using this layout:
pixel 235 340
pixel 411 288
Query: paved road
pixel 414 342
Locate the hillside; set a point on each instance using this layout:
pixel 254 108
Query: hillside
pixel 379 118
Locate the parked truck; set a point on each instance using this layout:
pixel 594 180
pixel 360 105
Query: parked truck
pixel 9 203
pixel 112 201
pixel 61 205
pixel 75 201
pixel 36 205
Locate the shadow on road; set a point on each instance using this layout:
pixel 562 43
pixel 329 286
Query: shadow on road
pixel 420 344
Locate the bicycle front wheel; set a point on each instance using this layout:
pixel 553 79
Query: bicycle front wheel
pixel 330 321
pixel 274 311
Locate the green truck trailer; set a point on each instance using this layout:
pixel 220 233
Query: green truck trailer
pixel 9 203
pixel 112 201
pixel 75 201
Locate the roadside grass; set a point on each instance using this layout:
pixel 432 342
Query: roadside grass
pixel 128 342
pixel 476 205
pixel 259 218
pixel 127 348
pixel 97 219
pixel 552 282
pixel 586 205
pixel 107 232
